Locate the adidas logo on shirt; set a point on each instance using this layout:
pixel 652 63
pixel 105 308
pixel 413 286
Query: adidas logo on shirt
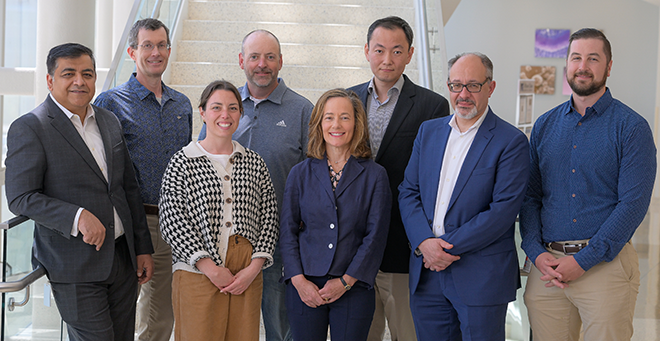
pixel 281 124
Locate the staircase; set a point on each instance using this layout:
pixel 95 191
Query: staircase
pixel 322 42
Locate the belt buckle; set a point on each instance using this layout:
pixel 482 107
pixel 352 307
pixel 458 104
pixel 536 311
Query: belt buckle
pixel 579 246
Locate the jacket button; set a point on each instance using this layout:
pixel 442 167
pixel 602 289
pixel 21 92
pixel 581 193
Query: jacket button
pixel 227 177
pixel 330 246
pixel 332 226
pixel 228 224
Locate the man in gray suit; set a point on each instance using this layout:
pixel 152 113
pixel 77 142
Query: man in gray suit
pixel 68 169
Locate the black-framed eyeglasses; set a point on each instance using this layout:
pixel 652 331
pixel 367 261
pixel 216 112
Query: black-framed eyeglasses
pixel 150 47
pixel 471 87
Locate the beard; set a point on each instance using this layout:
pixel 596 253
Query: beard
pixel 584 90
pixel 262 82
pixel 470 115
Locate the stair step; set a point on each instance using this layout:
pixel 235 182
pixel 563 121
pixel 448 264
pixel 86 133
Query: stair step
pixel 369 3
pixel 211 30
pixel 296 76
pixel 292 54
pixel 292 12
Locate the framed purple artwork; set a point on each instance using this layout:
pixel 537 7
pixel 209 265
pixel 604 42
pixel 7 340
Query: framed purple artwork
pixel 551 43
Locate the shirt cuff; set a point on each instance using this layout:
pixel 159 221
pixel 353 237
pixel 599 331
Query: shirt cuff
pixel 74 229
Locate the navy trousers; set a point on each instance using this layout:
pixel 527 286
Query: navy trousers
pixel 349 317
pixel 439 314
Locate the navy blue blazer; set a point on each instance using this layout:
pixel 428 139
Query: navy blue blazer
pixel 335 233
pixel 415 105
pixel 481 215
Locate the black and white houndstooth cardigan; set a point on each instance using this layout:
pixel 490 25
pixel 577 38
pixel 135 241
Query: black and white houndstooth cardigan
pixel 191 206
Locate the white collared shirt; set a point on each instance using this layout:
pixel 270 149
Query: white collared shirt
pixel 458 145
pixel 91 135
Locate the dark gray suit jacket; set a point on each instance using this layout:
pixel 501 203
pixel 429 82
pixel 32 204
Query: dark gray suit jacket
pixel 51 173
pixel 414 106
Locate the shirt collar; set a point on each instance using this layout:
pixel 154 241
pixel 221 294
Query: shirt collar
pixel 69 114
pixel 452 123
pixel 142 92
pixel 275 96
pixel 192 150
pixel 396 87
pixel 598 108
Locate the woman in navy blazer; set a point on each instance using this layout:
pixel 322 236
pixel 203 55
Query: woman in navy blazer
pixel 333 230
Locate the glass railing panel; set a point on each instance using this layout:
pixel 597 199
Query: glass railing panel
pixel 168 13
pixel 38 319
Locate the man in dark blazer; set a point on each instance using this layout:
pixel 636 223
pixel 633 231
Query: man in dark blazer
pixel 459 199
pixel 68 169
pixel 395 108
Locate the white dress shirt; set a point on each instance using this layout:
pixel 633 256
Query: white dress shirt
pixel 458 145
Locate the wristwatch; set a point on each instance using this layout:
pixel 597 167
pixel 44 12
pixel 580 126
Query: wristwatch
pixel 346 285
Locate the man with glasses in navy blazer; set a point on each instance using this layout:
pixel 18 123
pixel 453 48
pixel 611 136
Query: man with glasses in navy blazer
pixel 461 192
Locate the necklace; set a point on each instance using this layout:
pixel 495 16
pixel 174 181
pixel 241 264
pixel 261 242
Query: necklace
pixel 336 162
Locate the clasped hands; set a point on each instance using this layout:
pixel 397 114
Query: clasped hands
pixel 435 257
pixel 314 297
pixel 558 271
pixel 225 280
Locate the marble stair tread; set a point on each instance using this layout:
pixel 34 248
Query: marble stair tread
pixel 289 32
pixel 292 54
pixel 291 12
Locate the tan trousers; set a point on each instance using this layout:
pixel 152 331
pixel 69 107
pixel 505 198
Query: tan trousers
pixel 603 300
pixel 154 318
pixel 202 312
pixel 393 303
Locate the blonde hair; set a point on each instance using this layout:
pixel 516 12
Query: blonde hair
pixel 359 146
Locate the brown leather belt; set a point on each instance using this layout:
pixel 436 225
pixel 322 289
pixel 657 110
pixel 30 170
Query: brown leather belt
pixel 150 209
pixel 567 249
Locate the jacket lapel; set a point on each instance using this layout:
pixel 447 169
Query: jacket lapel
pixel 104 129
pixel 481 140
pixel 433 162
pixel 403 106
pixel 320 169
pixel 351 171
pixel 63 125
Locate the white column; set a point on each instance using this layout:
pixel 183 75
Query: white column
pixel 121 9
pixel 104 47
pixel 58 22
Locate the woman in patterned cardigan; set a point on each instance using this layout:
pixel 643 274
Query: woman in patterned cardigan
pixel 218 212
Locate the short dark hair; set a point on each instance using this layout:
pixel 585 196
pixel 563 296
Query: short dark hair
pixel 488 64
pixel 359 145
pixel 392 23
pixel 219 85
pixel 148 24
pixel 68 50
pixel 591 33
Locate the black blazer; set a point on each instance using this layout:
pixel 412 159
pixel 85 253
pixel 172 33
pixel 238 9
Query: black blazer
pixel 414 106
pixel 51 173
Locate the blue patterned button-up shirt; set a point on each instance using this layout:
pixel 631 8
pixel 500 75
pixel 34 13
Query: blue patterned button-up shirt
pixel 153 132
pixel 591 177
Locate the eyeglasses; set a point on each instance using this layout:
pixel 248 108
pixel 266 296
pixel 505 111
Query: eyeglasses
pixel 150 47
pixel 471 87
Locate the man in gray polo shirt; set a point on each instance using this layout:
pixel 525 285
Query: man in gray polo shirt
pixel 275 126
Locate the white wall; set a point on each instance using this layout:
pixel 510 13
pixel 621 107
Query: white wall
pixel 505 29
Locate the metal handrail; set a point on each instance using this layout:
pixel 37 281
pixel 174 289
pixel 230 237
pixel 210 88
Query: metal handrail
pixel 22 283
pixel 28 279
